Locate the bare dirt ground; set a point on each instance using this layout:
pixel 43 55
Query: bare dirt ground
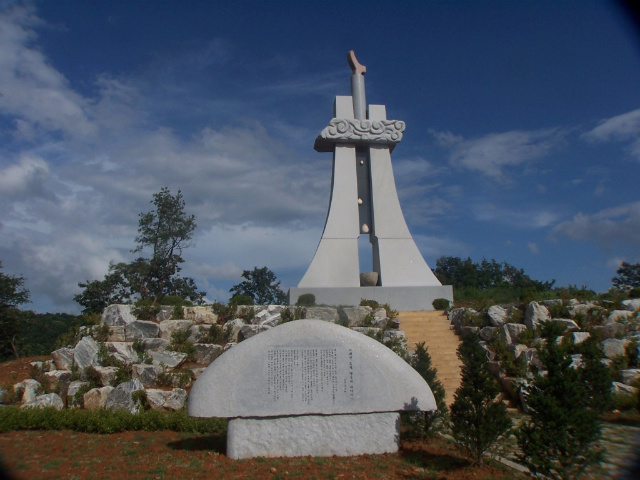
pixel 160 455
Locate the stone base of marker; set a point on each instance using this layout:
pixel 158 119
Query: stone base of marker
pixel 314 435
pixel 406 298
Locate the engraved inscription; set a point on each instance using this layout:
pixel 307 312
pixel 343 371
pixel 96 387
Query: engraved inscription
pixel 311 376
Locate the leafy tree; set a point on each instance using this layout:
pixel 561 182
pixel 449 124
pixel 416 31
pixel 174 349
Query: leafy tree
pixel 261 285
pixel 627 276
pixel 429 422
pixel 477 419
pixel 559 440
pixel 164 233
pixel 488 274
pixel 12 294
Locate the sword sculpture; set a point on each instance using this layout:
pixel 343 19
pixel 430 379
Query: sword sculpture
pixel 364 200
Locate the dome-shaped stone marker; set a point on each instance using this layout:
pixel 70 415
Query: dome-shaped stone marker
pixel 309 387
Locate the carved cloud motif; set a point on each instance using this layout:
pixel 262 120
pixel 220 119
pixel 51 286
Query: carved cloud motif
pixel 375 131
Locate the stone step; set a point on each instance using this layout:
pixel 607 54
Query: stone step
pixel 434 329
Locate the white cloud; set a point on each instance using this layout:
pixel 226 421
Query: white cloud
pixel 522 217
pixel 621 128
pixel 533 247
pixel 493 153
pixel 26 179
pixel 612 227
pixel 32 89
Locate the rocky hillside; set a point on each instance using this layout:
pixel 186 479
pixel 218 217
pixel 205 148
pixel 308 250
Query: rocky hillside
pixel 509 334
pixel 130 363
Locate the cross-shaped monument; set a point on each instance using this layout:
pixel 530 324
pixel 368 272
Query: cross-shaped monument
pixel 364 201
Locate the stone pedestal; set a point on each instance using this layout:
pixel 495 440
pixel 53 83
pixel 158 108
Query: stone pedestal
pixel 314 435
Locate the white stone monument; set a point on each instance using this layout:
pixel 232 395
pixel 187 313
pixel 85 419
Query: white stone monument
pixel 309 387
pixel 364 201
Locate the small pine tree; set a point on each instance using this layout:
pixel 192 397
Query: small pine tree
pixel 428 423
pixel 478 420
pixel 559 440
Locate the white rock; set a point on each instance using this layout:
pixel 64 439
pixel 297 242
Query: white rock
pixel 497 315
pixel 117 315
pixel 630 375
pixel 611 330
pixel 620 315
pixel 97 398
pixel 74 387
pixel 167 400
pixel 165 313
pixel 85 353
pixel 142 329
pixel 122 351
pixel 535 314
pixel 248 331
pixel 107 375
pixel 60 380
pixel 147 374
pixel 121 396
pixel 488 333
pixel 169 358
pixel 327 314
pixel 27 389
pixel 63 358
pixel 235 327
pixel 633 305
pixel 614 347
pixel 167 327
pixel 207 352
pixel 579 337
pixel 46 400
pixel 512 332
pixel 271 320
pixel 617 387
pixel 117 333
pixel 576 361
pixel 569 325
pixel 200 314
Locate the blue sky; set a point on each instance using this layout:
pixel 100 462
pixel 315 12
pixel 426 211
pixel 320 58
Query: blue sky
pixel 522 140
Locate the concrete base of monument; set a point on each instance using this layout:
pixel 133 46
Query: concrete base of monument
pixel 315 435
pixel 399 298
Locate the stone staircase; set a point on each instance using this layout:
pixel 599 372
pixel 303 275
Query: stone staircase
pixel 434 329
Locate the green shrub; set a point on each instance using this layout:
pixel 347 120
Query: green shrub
pixel 175 301
pixel 427 424
pixel 618 363
pixel 440 304
pixel 478 420
pixel 217 334
pixel 306 300
pixel 391 313
pixel 631 351
pixel 101 333
pixel 241 299
pixel 559 311
pixel 224 312
pixel 560 439
pixel 623 402
pixel 180 343
pixel 527 337
pixel 13 418
pixel 146 309
pixel 291 314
